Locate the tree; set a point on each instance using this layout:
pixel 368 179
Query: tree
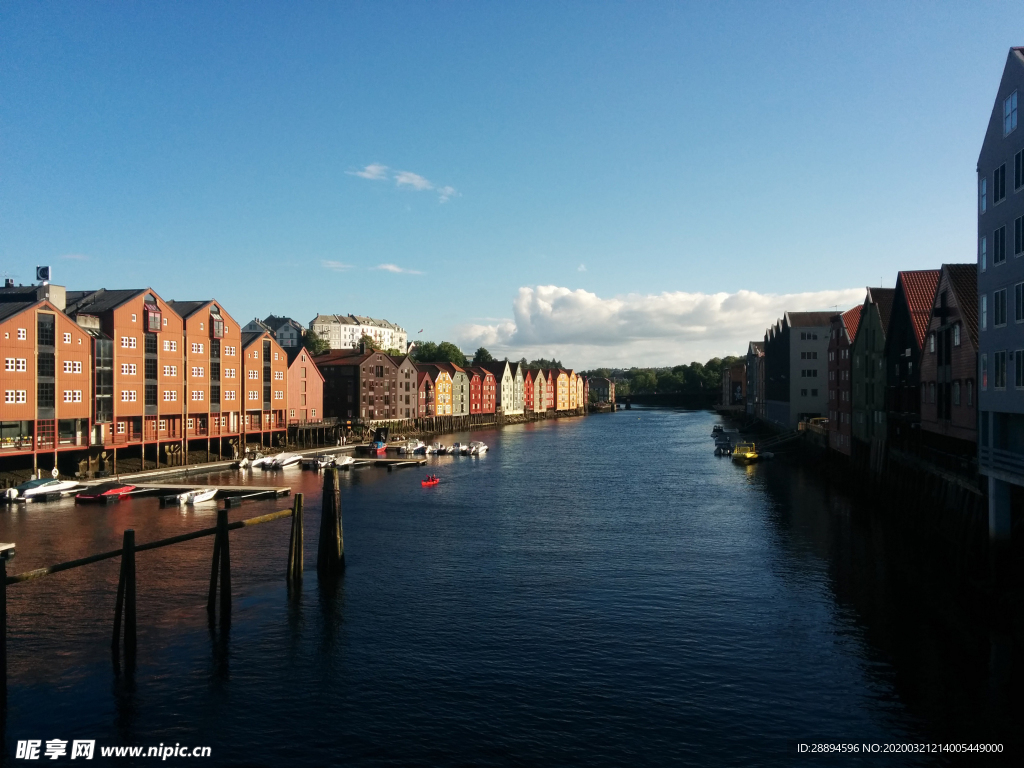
pixel 449 353
pixel 369 342
pixel 482 356
pixel 542 364
pixel 424 352
pixel 314 342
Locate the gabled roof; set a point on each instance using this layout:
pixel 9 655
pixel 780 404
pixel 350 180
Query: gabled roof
pixel 293 355
pixel 918 289
pixel 480 371
pixel 422 374
pixel 851 319
pixel 963 280
pixel 103 300
pixel 755 348
pixel 345 357
pixel 882 299
pixel 9 309
pixel 248 337
pixel 450 368
pixel 399 360
pixel 808 319
pixel 186 309
pixel 274 323
pixel 496 367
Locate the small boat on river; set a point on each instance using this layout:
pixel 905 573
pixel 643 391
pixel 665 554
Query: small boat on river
pixel 476 448
pixel 197 496
pixel 40 488
pixel 104 493
pixel 407 447
pixel 745 453
pixel 431 481
pixel 282 460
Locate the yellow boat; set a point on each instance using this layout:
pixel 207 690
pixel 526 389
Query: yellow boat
pixel 745 453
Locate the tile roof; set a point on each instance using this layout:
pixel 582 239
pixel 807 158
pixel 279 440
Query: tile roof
pixel 963 279
pixel 882 299
pixel 919 291
pixel 851 319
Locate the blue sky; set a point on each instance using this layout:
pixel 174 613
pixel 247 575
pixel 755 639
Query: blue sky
pixel 586 178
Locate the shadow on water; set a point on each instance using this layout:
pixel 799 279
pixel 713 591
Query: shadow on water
pixel 950 666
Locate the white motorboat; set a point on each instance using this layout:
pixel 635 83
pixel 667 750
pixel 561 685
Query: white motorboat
pixel 325 462
pixel 198 496
pixel 41 487
pixel 410 446
pixel 476 448
pixel 282 460
pixel 343 461
pixel 434 448
pixel 257 459
pixel 456 449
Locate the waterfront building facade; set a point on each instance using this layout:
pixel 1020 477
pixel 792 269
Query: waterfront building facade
pixel 407 399
pixel 561 389
pixel 949 363
pixel 487 399
pixel 795 352
pixel 305 388
pixel 734 387
pixel 345 331
pixel 603 389
pixel 502 372
pixel 911 310
pixel 755 379
pixel 265 366
pixel 869 371
pixel 840 379
pixel 441 380
pixel 528 390
pixel 517 402
pixel 425 390
pixel 1001 298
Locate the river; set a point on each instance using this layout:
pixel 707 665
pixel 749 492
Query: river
pixel 593 591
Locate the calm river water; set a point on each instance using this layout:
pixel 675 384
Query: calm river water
pixel 596 591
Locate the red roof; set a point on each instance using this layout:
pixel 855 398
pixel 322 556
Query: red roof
pixel 851 319
pixel 919 291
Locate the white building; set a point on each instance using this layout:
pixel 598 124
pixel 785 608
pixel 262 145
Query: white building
pixel 344 331
pixel 285 331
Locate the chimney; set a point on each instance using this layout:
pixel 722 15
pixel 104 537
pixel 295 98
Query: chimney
pixel 362 347
pixel 8 282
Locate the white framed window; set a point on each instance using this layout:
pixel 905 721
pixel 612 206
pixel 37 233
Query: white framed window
pixel 120 427
pixel 170 395
pixel 170 370
pixel 1010 114
pixel 254 395
pixel 278 375
pixel 67 338
pixel 229 351
pixel 198 371
pixel 9 364
pixel 68 396
pixel 22 334
pixel 191 423
pixel 197 348
pixel 229 394
pixel 128 369
pixel 134 318
pixel 128 396
pixel 229 373
pixel 278 395
pixel 8 395
pixel 162 426
pixel 312 411
pixel 22 364
pixel 931 342
pixel 254 374
pixel 127 342
pixel 170 345
pixel 200 326
pixel 983 194
pixel 197 394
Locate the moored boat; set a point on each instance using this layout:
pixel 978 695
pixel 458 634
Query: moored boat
pixel 104 492
pixel 40 488
pixel 197 496
pixel 282 460
pixel 745 453
pixel 410 446
pixel 476 448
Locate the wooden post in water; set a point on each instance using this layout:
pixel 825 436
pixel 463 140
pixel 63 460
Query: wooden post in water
pixel 222 566
pixel 124 605
pixel 330 558
pixel 3 634
pixel 295 543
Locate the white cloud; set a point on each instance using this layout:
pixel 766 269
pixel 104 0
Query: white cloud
pixel 75 256
pixel 408 179
pixel 397 269
pixel 374 172
pixel 337 266
pixel 581 268
pixel 585 330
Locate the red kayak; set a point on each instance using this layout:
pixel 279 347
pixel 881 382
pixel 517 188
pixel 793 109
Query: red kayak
pixel 431 482
pixel 104 492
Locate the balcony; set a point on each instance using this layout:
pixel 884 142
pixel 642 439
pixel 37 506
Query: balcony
pixel 1000 461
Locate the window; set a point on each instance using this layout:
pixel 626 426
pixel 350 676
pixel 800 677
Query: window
pixel 279 395
pixel 984 372
pixel 999 184
pixel 983 253
pixel 229 395
pixel 162 425
pixel 999 246
pixel 170 345
pixel 956 393
pixel 1018 368
pixel 999 369
pixel 229 373
pixel 275 355
pixel 128 369
pixel 197 348
pixel 999 307
pixel 198 371
pixel 197 394
pixel 278 375
pixel 1010 113
pixel 191 423
pixel 970 392
pixel 931 342
pixel 134 317
pixel 254 394
pixel 70 366
pixel 983 195
pixel 120 427
pixel 128 342
pixel 984 311
pixel 312 412
pixel 814 393
pixel 1018 302
pixel 170 395
pixel 67 338
pixel 72 395
pixel 291 413
pixel 170 370
pixel 931 392
pixel 1018 170
pixel 9 396
pixel 254 374
pixel 956 335
pixel 1018 236
pixel 803 393
pixel 229 351
pixel 128 396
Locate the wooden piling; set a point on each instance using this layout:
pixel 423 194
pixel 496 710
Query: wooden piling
pixel 295 543
pixel 221 567
pixel 330 557
pixel 3 634
pixel 124 605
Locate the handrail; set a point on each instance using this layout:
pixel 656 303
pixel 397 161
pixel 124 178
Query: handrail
pixel 38 573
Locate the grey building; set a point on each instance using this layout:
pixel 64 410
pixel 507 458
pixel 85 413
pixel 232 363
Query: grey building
pixel 755 379
pixel 1001 298
pixel 796 368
